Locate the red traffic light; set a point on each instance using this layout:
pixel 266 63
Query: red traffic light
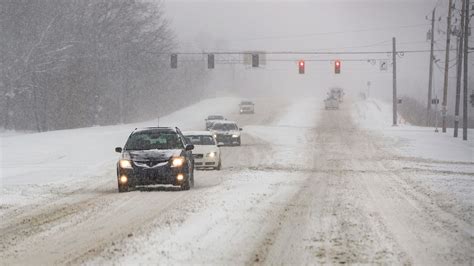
pixel 337 66
pixel 301 66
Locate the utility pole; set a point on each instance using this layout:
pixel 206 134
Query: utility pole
pixel 395 100
pixel 430 83
pixel 446 67
pixel 460 47
pixel 466 44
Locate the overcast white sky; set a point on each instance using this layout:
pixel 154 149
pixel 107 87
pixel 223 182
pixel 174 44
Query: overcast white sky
pixel 330 25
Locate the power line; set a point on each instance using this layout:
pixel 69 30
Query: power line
pixel 377 44
pixel 401 52
pixel 331 33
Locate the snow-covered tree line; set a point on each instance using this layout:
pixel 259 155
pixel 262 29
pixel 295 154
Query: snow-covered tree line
pixel 75 63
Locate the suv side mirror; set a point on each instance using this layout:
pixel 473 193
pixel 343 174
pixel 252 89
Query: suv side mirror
pixel 118 149
pixel 189 147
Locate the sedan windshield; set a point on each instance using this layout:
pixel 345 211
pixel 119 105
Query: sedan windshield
pixel 201 140
pixel 153 140
pixel 224 127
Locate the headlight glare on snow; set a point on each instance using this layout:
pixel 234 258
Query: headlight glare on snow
pixel 125 164
pixel 177 162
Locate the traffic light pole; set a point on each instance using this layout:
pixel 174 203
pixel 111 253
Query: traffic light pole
pixel 446 67
pixel 466 47
pixel 430 82
pixel 395 100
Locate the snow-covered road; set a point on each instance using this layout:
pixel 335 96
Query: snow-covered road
pixel 307 186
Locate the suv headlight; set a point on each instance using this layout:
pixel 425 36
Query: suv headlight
pixel 211 154
pixel 235 136
pixel 177 162
pixel 125 164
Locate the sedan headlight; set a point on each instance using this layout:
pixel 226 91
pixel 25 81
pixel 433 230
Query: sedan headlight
pixel 235 136
pixel 211 154
pixel 125 164
pixel 177 162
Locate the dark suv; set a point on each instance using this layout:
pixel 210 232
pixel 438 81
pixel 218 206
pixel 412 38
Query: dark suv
pixel 154 156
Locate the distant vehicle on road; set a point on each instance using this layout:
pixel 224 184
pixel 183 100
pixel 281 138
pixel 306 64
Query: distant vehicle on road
pixel 156 155
pixel 337 93
pixel 226 133
pixel 247 107
pixel 206 152
pixel 331 103
pixel 211 119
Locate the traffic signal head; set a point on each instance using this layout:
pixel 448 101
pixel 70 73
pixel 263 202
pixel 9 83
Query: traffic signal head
pixel 210 61
pixel 174 61
pixel 337 67
pixel 301 66
pixel 255 61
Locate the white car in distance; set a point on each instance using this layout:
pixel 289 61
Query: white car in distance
pixel 206 152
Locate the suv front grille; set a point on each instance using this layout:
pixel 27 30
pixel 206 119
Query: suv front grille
pixel 148 164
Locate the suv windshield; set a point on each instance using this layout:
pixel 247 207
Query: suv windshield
pixel 225 127
pixel 215 117
pixel 201 140
pixel 153 140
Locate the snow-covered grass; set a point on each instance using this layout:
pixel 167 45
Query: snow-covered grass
pixel 410 140
pixel 9 132
pixel 31 162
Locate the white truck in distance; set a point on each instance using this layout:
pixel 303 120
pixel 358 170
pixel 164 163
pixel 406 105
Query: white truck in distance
pixel 247 107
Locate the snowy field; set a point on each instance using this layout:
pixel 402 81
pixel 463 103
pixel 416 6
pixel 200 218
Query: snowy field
pixel 412 140
pixel 307 186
